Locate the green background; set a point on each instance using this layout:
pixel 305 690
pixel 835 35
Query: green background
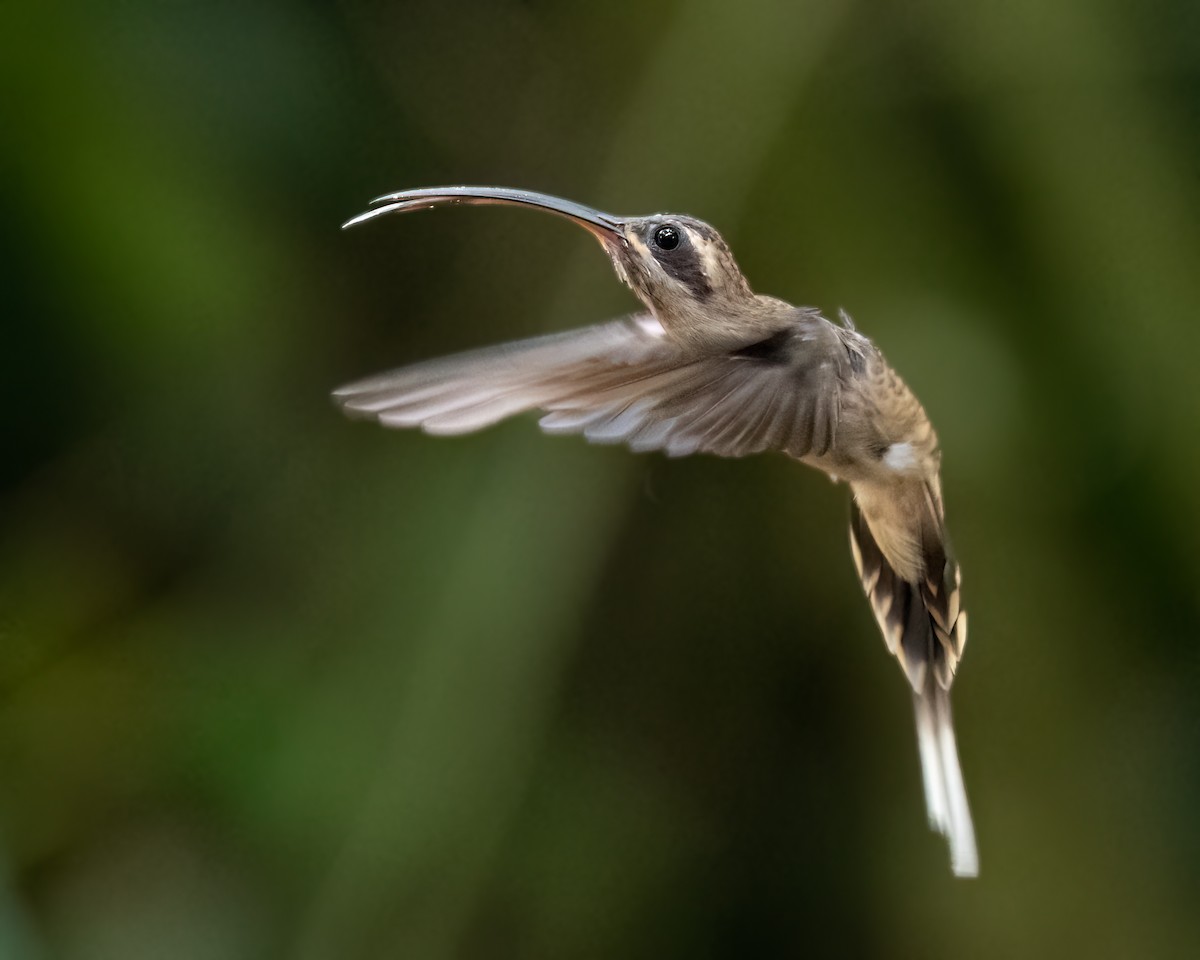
pixel 275 684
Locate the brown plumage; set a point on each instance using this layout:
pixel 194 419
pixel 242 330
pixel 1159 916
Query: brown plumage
pixel 715 368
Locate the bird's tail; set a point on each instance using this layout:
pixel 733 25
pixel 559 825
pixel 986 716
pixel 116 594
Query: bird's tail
pixel 945 795
pixel 925 628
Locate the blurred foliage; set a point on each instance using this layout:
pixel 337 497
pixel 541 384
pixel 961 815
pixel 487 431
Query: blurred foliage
pixel 277 685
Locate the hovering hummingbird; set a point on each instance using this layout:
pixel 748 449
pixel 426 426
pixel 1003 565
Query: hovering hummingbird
pixel 715 368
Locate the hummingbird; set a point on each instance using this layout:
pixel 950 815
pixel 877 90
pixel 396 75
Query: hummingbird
pixel 712 367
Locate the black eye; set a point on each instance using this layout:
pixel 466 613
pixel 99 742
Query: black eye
pixel 666 238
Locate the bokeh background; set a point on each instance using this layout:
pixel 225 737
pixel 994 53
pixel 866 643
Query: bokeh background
pixel 275 684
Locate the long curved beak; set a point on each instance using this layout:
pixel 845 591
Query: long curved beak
pixel 604 227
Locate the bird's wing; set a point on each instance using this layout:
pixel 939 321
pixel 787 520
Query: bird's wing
pixel 626 382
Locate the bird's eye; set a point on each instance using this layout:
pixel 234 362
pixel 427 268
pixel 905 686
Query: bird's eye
pixel 666 238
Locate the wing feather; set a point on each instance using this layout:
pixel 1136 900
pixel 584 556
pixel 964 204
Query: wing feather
pixel 626 382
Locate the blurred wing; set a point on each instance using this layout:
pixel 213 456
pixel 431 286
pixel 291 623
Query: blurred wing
pixel 625 382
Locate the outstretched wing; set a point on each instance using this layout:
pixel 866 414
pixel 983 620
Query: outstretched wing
pixel 627 382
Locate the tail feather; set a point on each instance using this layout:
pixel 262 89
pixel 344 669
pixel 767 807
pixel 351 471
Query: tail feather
pixel 945 795
pixel 925 629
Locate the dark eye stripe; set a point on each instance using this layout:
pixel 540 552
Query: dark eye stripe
pixel 683 264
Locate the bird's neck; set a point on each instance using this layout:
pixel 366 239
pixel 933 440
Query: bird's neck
pixel 721 319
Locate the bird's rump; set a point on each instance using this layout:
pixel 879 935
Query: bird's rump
pixel 627 382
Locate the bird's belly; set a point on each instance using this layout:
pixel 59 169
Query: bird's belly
pixel 894 512
pixel 843 468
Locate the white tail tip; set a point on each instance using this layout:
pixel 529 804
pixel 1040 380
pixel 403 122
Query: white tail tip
pixel 945 795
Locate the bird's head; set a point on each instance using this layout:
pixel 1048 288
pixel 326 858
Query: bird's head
pixel 678 266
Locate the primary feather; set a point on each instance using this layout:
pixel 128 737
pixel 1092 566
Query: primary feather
pixel 624 382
